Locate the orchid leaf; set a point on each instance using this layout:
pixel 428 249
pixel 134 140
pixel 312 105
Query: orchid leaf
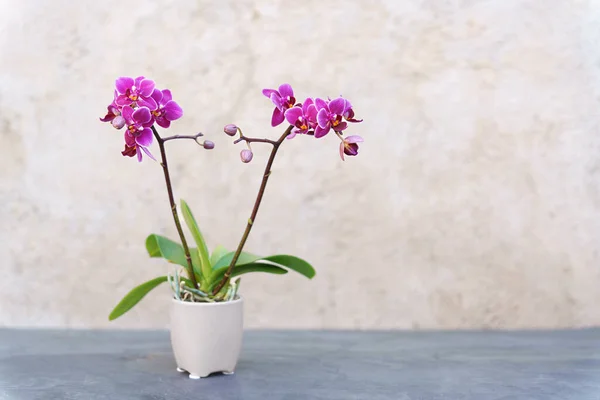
pixel 160 246
pixel 198 238
pixel 196 263
pixel 247 268
pixel 294 263
pixel 244 258
pixel 134 296
pixel 217 253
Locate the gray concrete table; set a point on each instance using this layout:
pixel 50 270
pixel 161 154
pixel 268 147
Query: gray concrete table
pixel 92 365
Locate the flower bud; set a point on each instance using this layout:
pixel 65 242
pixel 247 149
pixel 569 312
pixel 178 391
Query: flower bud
pixel 246 155
pixel 118 122
pixel 208 145
pixel 230 129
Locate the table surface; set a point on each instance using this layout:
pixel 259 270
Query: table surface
pixel 90 365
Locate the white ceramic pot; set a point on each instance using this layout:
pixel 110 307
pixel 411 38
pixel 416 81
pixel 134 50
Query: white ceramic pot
pixel 207 337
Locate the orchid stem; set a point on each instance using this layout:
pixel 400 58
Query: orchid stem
pixel 186 249
pixel 251 220
pixel 253 140
pixel 193 137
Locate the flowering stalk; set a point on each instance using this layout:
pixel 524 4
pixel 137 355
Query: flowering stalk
pixel 186 249
pixel 193 137
pixel 261 192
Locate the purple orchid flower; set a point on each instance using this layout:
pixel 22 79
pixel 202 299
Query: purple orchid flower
pixel 303 118
pixel 349 114
pixel 330 116
pixel 349 146
pixel 283 99
pixel 113 115
pixel 136 92
pixel 167 109
pixel 138 135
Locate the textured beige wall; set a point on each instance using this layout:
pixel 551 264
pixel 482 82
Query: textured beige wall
pixel 475 201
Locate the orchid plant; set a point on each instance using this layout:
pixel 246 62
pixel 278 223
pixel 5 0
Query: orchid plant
pixel 137 107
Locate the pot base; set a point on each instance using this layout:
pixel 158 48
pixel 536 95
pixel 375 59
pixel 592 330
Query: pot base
pixel 192 376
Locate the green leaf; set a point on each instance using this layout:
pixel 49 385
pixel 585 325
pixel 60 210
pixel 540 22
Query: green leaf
pixel 198 238
pixel 293 263
pixel 134 296
pixel 217 253
pixel 196 263
pixel 246 268
pixel 244 258
pixel 160 246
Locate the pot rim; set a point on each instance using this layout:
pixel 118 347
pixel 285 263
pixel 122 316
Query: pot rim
pixel 204 304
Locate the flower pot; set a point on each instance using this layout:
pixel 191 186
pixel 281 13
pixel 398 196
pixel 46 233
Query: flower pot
pixel 207 337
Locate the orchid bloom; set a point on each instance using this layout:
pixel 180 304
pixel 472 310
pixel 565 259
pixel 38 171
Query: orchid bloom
pixel 349 145
pixel 330 116
pixel 314 117
pixel 138 135
pixel 303 118
pixel 283 99
pixel 349 113
pixel 167 110
pixel 113 115
pixel 135 92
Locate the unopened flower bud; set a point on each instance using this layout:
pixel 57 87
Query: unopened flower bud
pixel 246 155
pixel 230 129
pixel 208 145
pixel 118 122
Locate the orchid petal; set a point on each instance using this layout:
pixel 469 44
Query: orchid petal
pixel 144 137
pixel 340 127
pixel 157 95
pixel 145 150
pixel 321 104
pixel 172 111
pixel 127 113
pixel 292 114
pixel 122 100
pixel 342 150
pixel 354 139
pixel 307 103
pixel 268 92
pixel 166 96
pixel 277 117
pixel 110 115
pixel 323 118
pixel 286 90
pixel 142 115
pixel 351 149
pixel 311 114
pixel 320 132
pixel 337 106
pixel 139 80
pixel 129 151
pixel 123 83
pixel 276 99
pixel 139 154
pixel 146 87
pixel 163 122
pixel 129 139
pixel 147 102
